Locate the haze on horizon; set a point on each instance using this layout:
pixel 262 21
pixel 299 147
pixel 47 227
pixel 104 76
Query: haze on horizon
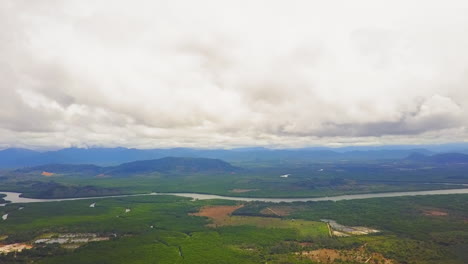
pixel 212 73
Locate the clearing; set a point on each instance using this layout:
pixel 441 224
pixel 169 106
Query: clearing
pixel 17 247
pixel 434 213
pixel 343 231
pixel 221 216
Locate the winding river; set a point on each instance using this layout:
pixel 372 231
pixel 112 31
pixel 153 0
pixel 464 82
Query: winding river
pixel 15 197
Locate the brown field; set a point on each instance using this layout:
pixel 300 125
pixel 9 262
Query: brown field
pixel 219 214
pixel 360 255
pixel 47 174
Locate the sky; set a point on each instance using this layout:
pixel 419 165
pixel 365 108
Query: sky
pixel 222 74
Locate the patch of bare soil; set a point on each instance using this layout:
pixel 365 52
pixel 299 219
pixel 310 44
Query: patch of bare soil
pixel 219 214
pixel 47 174
pixel 18 247
pixel 278 210
pixel 342 230
pixel 242 190
pixel 434 213
pixel 360 255
pixel 339 234
pixel 71 240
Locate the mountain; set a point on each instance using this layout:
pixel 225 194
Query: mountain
pixel 163 165
pixel 382 154
pixel 12 158
pixel 17 158
pixel 439 158
pixel 173 164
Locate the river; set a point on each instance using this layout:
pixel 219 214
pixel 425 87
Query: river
pixel 15 197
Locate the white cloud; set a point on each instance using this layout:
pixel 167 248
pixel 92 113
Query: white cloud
pixel 219 73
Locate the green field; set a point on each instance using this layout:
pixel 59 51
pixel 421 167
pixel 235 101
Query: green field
pixel 306 228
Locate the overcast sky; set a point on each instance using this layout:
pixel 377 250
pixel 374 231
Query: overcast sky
pixel 232 73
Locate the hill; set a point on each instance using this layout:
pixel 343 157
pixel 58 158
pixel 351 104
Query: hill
pixel 16 157
pixel 163 165
pixel 173 164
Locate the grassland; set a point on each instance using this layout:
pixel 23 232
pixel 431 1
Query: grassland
pixel 306 228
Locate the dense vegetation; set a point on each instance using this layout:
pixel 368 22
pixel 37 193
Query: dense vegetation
pixel 168 164
pixel 410 234
pixel 51 189
pixel 164 229
pixel 218 177
pixel 2 201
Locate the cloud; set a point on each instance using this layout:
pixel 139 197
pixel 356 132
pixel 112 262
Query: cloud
pixel 211 73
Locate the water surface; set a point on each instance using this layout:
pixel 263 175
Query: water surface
pixel 15 197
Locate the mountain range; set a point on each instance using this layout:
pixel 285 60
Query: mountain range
pixel 18 158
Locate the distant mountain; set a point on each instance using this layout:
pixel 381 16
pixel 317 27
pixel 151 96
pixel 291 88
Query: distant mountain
pixel 461 147
pixel 417 157
pixel 383 154
pixel 163 165
pixel 439 158
pixel 17 158
pixel 10 158
pixel 173 164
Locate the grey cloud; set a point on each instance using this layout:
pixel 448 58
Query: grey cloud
pixel 436 113
pixel 155 74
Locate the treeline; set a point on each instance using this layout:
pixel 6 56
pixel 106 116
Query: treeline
pixel 51 189
pixel 2 200
pixel 34 254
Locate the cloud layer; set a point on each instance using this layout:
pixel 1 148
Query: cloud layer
pixel 232 73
